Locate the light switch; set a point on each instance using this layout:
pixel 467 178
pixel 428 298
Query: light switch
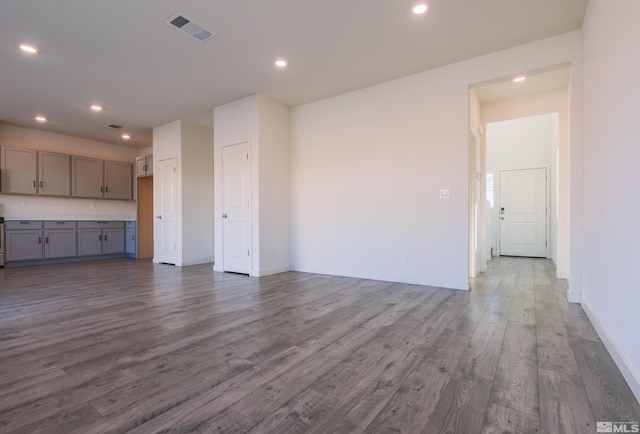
pixel 444 194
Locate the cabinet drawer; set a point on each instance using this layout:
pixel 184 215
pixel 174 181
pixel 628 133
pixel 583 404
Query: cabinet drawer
pixel 23 224
pixel 60 225
pixel 130 224
pixel 100 225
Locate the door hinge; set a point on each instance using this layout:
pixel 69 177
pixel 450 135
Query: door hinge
pixel 248 254
pixel 247 155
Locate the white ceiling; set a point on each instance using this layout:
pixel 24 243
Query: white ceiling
pixel 122 54
pixel 534 83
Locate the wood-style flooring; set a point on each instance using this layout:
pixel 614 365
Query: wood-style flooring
pixel 129 346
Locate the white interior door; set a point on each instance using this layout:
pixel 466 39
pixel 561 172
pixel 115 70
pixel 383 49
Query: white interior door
pixel 523 213
pixel 236 206
pixel 166 217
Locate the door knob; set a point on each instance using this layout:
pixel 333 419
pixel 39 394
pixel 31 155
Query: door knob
pixel 159 217
pixel 224 216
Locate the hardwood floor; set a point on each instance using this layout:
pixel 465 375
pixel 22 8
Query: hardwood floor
pixel 131 346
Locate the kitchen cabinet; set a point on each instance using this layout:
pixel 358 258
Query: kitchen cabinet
pixel 23 240
pixel 54 174
pixel 118 180
pixel 30 172
pixel 86 177
pixel 144 165
pixel 93 178
pixel 59 239
pixel 18 170
pixel 100 238
pixel 130 238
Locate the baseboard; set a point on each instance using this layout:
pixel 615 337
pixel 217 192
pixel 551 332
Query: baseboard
pixel 632 378
pixel 396 278
pixel 573 297
pixel 271 271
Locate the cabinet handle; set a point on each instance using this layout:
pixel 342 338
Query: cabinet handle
pixel 39 240
pixel 34 184
pixel 101 189
pixel 105 238
pixel 41 184
pixel 46 240
pixel 24 223
pixel 106 189
pixel 133 237
pixel 99 237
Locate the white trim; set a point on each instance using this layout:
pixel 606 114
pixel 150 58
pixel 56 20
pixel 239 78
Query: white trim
pixel 573 296
pixel 396 278
pixel 629 374
pixel 270 271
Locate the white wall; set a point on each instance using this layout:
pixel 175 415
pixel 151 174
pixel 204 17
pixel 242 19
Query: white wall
pixel 191 146
pixel 234 123
pixel 197 194
pixel 367 167
pixel 275 185
pixel 554 101
pixel 265 124
pixel 44 208
pixel 611 238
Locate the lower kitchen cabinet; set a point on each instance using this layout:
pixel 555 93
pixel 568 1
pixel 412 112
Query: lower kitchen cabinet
pixel 59 239
pixel 32 241
pixel 23 245
pixel 100 238
pixel 130 243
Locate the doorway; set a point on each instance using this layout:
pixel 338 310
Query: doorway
pixel 166 212
pixel 145 217
pixel 236 208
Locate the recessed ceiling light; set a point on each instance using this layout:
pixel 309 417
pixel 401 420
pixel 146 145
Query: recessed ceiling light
pixel 41 119
pixel 419 8
pixel 96 108
pixel 519 79
pixel 280 63
pixel 28 48
pixel 126 136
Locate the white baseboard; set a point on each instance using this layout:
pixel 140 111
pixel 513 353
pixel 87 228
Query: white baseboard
pixel 629 374
pixel 396 278
pixel 271 271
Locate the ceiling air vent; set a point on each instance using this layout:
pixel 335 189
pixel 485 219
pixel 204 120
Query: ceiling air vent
pixel 115 126
pixel 190 27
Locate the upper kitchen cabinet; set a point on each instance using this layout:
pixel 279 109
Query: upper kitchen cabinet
pixel 18 171
pixel 87 175
pixel 54 174
pixel 118 180
pixel 101 179
pixel 144 165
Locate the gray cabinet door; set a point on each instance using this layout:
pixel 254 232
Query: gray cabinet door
pixel 59 243
pixel 23 245
pixel 141 166
pixel 118 180
pixel 17 170
pixel 54 174
pixel 112 241
pixel 130 241
pixel 86 177
pixel 89 242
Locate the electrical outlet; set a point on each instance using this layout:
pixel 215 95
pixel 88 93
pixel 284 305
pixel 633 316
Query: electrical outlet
pixel 444 194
